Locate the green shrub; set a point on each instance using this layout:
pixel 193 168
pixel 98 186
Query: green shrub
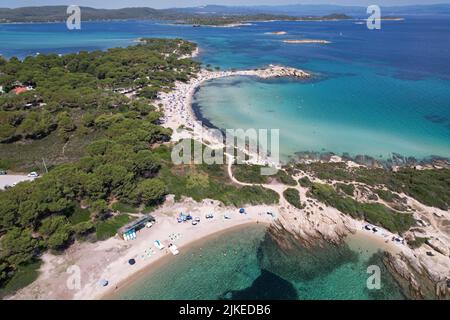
pixel 417 242
pixel 285 178
pixel 123 208
pixel 431 187
pixel 385 195
pixel 21 278
pixel 108 228
pixel 79 215
pixel 293 197
pixel 372 212
pixel 249 174
pixel 305 182
pixel 348 189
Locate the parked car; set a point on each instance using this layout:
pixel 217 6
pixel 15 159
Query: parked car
pixel 33 175
pixel 2 172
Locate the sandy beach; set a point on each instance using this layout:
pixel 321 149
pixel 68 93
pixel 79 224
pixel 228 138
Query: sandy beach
pixel 109 259
pixel 177 104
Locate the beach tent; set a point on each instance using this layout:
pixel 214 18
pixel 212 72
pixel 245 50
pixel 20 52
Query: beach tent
pixel 131 262
pixel 241 210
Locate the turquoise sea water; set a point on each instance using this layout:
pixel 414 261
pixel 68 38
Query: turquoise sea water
pixel 230 266
pixel 361 114
pixel 374 92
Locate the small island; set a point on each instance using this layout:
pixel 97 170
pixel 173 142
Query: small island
pixel 277 33
pixel 304 41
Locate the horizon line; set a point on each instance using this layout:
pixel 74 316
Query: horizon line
pixel 237 6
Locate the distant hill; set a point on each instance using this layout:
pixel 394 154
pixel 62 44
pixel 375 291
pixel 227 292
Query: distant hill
pixel 189 15
pixel 58 13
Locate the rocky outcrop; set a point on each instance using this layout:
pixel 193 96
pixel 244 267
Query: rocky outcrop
pixel 439 246
pixel 415 279
pixel 274 71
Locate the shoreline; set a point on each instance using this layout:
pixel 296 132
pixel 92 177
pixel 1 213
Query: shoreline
pixel 147 271
pixel 181 112
pixel 109 259
pixel 191 236
pixel 177 105
pixel 365 244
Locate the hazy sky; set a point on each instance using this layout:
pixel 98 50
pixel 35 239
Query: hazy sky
pixel 190 3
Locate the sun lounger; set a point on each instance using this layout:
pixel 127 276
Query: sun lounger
pixel 173 248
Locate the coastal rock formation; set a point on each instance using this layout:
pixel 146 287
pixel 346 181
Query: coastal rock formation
pixel 416 279
pixel 275 71
pixel 439 246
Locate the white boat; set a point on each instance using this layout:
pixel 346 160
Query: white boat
pixel 158 244
pixel 173 248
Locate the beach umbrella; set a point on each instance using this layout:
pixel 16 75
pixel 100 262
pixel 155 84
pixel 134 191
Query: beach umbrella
pixel 241 210
pixel 131 261
pixel 104 282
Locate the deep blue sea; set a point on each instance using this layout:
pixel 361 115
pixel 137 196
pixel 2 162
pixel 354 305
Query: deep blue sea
pixel 374 92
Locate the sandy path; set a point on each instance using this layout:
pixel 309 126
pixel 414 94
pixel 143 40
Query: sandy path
pixel 10 180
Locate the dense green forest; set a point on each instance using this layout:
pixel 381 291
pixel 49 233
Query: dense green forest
pixel 124 167
pixel 236 19
pixel 75 93
pixel 58 13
